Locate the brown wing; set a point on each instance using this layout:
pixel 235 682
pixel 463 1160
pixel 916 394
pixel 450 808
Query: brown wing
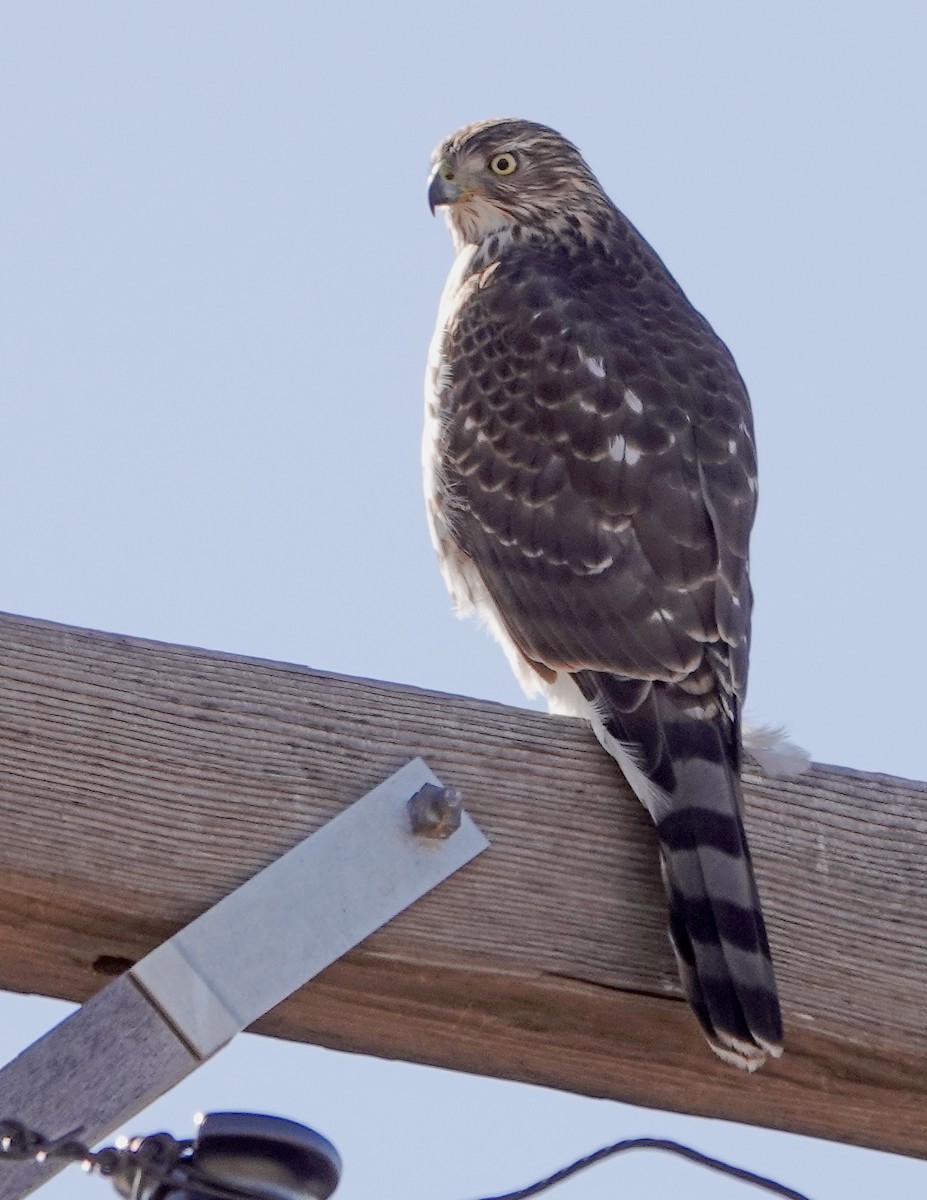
pixel 598 452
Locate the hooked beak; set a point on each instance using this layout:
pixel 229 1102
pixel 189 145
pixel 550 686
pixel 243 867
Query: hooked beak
pixel 441 190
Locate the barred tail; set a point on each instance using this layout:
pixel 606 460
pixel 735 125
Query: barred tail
pixel 685 771
pixel 715 920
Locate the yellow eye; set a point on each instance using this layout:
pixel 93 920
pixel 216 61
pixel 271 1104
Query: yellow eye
pixel 503 164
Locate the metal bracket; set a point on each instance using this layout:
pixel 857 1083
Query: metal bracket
pixel 302 913
pixel 176 1007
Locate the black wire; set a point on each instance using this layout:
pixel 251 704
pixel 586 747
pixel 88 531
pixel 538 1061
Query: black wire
pixel 704 1160
pixel 24 1143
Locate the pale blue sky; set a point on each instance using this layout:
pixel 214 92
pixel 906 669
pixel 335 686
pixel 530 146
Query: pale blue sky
pixel 219 279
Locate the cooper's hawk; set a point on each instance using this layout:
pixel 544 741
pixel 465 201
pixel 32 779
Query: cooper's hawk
pixel 590 478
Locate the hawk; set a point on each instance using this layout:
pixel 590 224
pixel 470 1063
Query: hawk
pixel 590 479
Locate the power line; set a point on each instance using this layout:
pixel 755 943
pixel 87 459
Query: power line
pixel 140 1166
pixel 670 1147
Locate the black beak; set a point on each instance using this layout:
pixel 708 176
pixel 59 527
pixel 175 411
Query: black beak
pixel 441 190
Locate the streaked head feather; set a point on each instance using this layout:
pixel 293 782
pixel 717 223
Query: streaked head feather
pixel 551 182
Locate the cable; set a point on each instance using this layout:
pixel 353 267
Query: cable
pixel 159 1158
pixel 704 1160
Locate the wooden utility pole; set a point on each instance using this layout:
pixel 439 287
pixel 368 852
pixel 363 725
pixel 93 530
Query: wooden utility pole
pixel 140 782
pixel 170 1012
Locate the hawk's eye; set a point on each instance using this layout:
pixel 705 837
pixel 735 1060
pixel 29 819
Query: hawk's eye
pixel 503 164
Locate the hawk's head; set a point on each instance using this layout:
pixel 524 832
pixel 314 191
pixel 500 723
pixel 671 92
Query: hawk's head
pixel 505 172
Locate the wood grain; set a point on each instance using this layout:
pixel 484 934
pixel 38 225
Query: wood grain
pixel 99 1067
pixel 140 782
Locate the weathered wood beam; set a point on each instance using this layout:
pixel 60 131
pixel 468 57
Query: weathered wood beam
pixel 140 782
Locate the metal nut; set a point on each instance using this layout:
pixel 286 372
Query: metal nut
pixel 435 811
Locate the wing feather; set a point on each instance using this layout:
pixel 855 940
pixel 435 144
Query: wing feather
pixel 585 440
